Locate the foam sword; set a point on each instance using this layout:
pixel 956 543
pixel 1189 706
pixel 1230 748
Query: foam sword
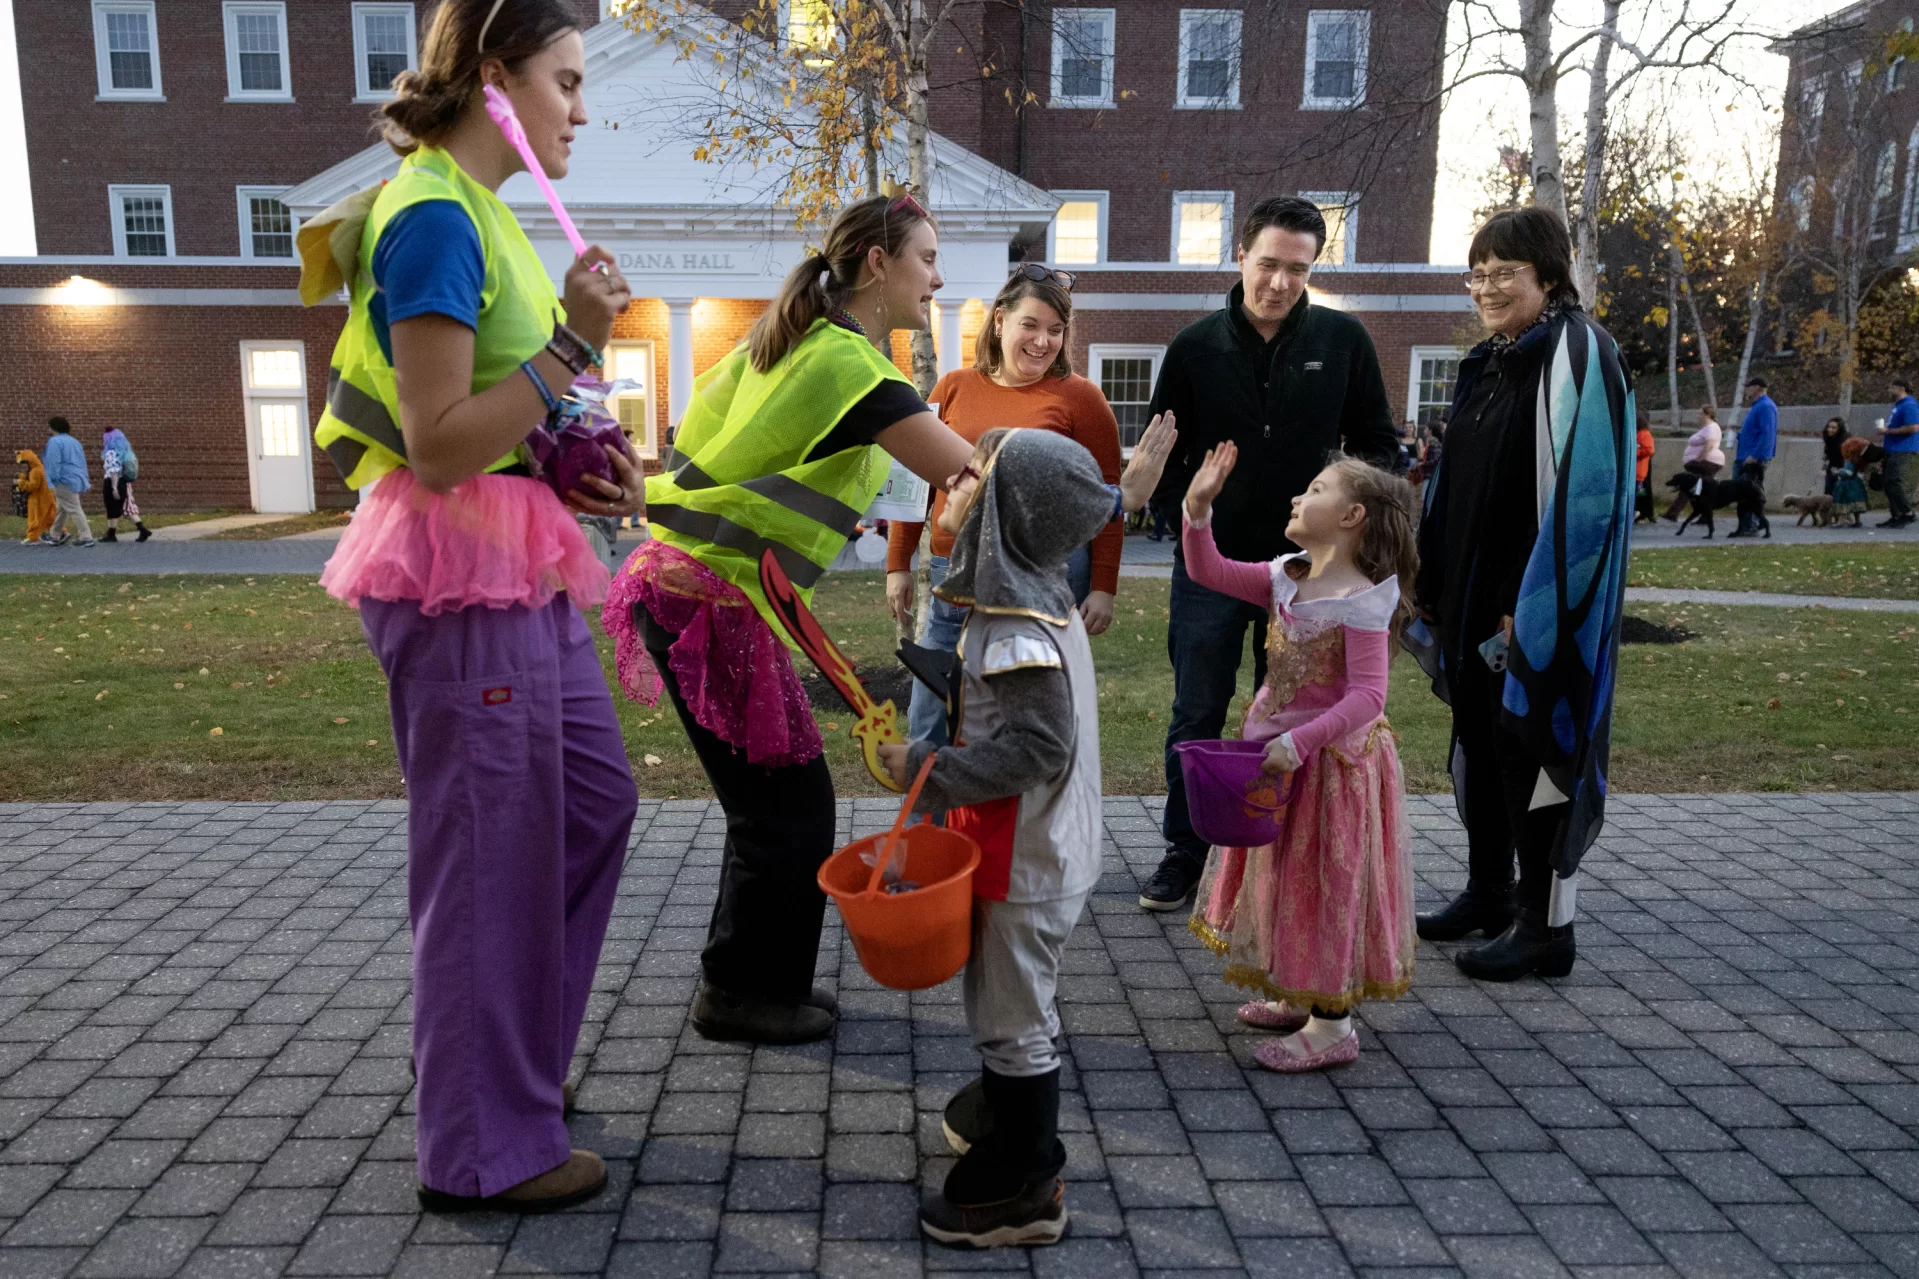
pixel 877 723
pixel 500 107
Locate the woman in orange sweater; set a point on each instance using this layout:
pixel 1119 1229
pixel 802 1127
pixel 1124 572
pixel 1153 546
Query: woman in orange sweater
pixel 1021 377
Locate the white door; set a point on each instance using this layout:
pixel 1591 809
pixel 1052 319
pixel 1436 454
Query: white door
pixel 284 473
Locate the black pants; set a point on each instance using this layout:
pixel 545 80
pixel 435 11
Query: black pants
pixel 1502 772
pixel 765 932
pixel 1204 640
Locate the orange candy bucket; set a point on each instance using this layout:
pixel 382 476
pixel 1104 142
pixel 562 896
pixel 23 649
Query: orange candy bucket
pixel 913 940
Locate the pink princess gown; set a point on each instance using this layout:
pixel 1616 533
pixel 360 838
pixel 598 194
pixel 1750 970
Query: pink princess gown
pixel 1323 917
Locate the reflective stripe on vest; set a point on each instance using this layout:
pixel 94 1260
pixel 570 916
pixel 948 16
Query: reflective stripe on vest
pixel 720 531
pixel 787 492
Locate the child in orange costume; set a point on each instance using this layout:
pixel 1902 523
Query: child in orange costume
pixel 33 482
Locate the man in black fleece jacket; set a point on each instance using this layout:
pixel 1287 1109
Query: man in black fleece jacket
pixel 1290 383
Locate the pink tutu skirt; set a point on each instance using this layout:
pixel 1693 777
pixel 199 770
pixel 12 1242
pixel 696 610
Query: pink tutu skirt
pixel 496 540
pixel 735 675
pixel 1322 918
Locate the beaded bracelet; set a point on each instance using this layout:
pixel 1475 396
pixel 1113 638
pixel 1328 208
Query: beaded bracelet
pixel 539 384
pixel 572 350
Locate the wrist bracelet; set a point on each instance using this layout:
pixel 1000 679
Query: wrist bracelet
pixel 572 350
pixel 539 384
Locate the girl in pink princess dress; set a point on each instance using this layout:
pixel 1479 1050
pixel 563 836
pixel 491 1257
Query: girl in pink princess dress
pixel 1321 919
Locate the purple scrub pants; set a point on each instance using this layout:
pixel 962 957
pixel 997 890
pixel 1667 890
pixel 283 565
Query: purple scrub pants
pixel 519 804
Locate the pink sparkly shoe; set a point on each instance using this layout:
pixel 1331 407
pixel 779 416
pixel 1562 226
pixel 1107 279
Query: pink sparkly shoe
pixel 1271 1054
pixel 1262 1014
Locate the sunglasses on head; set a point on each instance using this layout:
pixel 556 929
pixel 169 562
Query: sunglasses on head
pixel 1040 273
pixel 906 203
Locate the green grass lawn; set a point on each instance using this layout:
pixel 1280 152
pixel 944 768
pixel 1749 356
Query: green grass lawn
pixel 113 689
pixel 1877 570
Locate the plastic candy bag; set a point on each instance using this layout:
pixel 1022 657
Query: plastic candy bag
pixel 573 445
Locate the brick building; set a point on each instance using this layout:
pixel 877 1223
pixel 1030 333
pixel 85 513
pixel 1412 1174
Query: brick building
pixel 172 149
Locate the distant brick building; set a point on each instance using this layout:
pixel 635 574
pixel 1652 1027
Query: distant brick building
pixel 172 148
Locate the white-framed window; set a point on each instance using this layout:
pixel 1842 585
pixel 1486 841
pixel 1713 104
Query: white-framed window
pixel 1126 375
pixel 126 50
pixel 1799 203
pixel 1812 108
pixel 142 221
pixel 273 368
pixel 1909 211
pixel 1337 41
pixel 806 26
pixel 267 226
pixel 633 360
pixel 258 69
pixel 1896 73
pixel 1341 211
pixel 1431 373
pixel 1882 216
pixel 1077 234
pixel 1208 58
pixel 385 43
pixel 1082 58
pixel 1202 227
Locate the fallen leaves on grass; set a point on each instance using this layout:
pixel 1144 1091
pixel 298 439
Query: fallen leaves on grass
pixel 216 732
pixel 339 719
pixel 653 761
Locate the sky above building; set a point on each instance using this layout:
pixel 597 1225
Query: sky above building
pixel 1478 116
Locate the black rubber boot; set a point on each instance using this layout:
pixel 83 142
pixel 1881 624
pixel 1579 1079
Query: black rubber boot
pixel 968 1119
pixel 1529 946
pixel 1006 1191
pixel 145 532
pixel 1473 911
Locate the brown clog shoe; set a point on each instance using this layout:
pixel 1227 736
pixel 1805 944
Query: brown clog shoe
pixel 577 1180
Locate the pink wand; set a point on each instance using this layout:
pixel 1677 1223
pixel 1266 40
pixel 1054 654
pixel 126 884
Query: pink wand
pixel 500 107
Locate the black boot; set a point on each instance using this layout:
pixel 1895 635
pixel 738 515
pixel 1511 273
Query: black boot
pixel 1006 1191
pixel 1529 946
pixel 1473 911
pixel 967 1119
pixel 112 534
pixel 145 532
pixel 720 1015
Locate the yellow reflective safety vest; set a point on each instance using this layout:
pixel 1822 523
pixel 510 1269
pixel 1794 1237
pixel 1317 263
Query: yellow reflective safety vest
pixel 737 481
pixel 359 430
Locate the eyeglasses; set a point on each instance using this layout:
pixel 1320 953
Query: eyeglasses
pixel 1040 273
pixel 969 471
pixel 1502 276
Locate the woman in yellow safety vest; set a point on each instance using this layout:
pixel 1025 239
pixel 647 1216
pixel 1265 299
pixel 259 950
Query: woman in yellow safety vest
pixel 783 446
pixel 468 572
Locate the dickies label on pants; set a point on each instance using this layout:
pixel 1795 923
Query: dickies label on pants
pixel 496 696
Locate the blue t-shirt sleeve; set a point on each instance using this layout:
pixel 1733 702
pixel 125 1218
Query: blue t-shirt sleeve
pixel 1904 413
pixel 428 262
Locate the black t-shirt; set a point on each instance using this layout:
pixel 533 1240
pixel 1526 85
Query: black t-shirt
pixel 879 408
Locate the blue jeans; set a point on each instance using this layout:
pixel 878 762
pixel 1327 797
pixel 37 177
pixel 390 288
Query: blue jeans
pixel 925 714
pixel 1204 640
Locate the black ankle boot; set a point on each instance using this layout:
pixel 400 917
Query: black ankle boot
pixel 1529 946
pixel 1473 911
pixel 111 535
pixel 1006 1189
pixel 145 532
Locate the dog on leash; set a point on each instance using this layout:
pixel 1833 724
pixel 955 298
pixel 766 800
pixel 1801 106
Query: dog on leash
pixel 1816 505
pixel 1709 495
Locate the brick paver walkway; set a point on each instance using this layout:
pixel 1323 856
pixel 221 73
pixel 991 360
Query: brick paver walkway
pixel 204 1037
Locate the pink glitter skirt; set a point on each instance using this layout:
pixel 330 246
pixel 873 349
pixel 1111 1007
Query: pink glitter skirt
pixel 734 674
pixel 496 540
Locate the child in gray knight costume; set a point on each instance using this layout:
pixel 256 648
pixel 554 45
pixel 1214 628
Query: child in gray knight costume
pixel 1023 780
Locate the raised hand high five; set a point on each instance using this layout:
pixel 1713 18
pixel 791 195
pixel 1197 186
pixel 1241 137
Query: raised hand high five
pixel 1142 473
pixel 1209 479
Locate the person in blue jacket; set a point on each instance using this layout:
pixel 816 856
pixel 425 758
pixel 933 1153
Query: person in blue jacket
pixel 67 474
pixel 1900 436
pixel 1758 441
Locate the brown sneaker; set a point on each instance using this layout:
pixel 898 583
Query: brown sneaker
pixel 575 1181
pixel 1035 1216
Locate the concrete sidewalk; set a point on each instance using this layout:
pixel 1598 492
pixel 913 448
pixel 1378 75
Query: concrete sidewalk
pixel 204 1032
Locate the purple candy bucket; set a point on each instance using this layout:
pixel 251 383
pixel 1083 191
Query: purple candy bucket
pixel 1231 801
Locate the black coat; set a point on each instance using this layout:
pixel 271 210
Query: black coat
pixel 1288 404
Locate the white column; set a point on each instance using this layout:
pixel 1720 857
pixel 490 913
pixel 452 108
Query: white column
pixel 679 358
pixel 948 335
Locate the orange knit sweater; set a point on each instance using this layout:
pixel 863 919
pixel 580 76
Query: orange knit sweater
pixel 973 404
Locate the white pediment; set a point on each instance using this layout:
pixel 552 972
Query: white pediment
pixel 687 227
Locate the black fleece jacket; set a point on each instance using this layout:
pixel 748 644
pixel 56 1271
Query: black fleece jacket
pixel 1288 404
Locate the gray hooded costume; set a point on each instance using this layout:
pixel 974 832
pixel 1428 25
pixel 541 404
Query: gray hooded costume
pixel 1028 726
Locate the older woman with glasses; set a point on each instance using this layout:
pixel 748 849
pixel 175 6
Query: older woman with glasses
pixel 1522 575
pixel 1022 377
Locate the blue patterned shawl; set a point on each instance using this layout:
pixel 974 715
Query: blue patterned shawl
pixel 1564 659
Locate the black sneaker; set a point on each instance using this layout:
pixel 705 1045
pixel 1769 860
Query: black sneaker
pixel 1037 1215
pixel 1169 887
